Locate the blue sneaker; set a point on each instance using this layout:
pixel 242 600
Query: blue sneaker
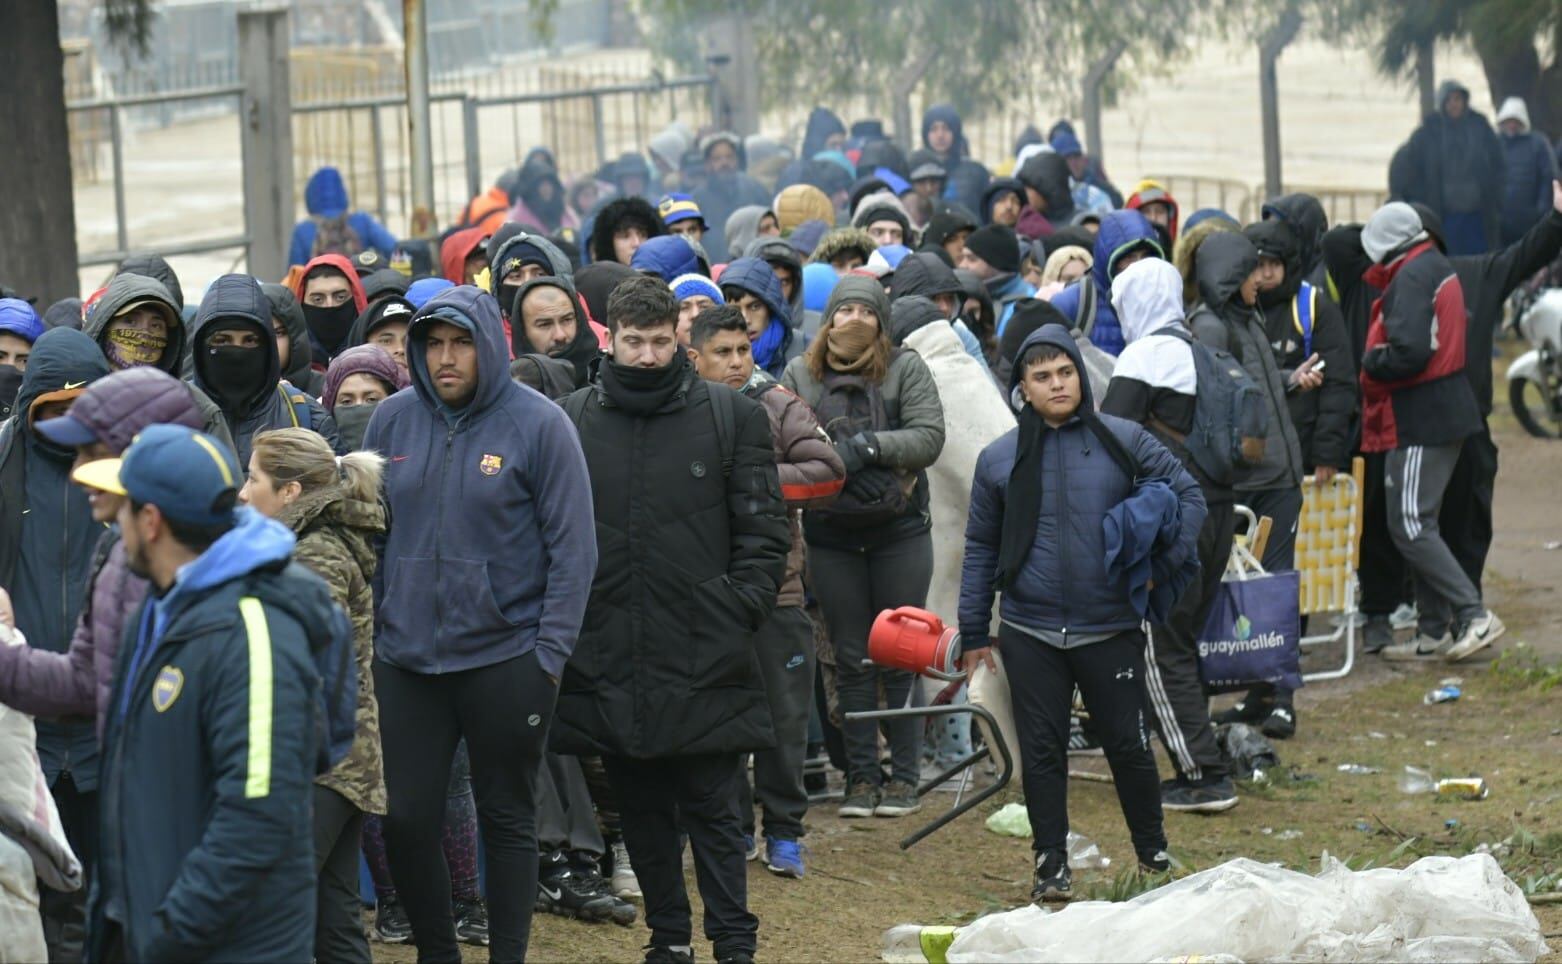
pixel 784 858
pixel 750 847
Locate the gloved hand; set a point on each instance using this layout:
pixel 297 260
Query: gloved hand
pixel 869 487
pixel 858 452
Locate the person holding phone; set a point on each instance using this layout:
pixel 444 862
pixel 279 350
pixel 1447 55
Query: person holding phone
pixel 1312 348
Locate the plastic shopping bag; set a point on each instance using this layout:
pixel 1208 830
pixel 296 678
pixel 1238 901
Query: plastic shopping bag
pixel 1254 633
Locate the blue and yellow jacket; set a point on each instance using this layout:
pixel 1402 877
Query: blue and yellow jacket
pixel 209 757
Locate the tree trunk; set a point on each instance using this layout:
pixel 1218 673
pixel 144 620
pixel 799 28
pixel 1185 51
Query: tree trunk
pixel 1515 70
pixel 38 218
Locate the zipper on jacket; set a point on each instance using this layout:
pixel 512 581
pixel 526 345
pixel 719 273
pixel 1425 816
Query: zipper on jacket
pixel 439 528
pixel 65 620
pixel 1057 451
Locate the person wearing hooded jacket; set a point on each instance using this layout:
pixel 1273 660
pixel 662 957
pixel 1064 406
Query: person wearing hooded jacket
pixel 538 195
pixel 155 267
pixel 1419 407
pixel 944 135
pixel 477 609
pixel 349 231
pixel 1228 318
pixel 1323 418
pixel 1125 237
pixel 670 256
pixel 568 337
pixel 665 684
pixel 1040 498
pixel 215 864
pixel 1529 167
pixel 1046 182
pixel 619 227
pixel 1455 166
pixel 1082 168
pixel 751 285
pixel 294 352
pixel 928 276
pixel 788 266
pixel 47 541
pixel 811 475
pixel 124 323
pixel 1305 216
pixel 1155 384
pixel 236 364
pixel 873 549
pixel 331 296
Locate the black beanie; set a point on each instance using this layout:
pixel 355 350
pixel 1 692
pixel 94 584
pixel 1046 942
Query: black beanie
pixel 1029 315
pixel 998 246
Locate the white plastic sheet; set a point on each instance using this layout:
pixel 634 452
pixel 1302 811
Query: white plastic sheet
pixel 1439 909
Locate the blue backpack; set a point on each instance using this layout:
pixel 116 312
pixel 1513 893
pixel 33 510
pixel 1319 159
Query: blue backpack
pixel 1229 419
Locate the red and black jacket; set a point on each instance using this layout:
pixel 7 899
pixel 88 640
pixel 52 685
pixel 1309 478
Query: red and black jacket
pixel 1412 373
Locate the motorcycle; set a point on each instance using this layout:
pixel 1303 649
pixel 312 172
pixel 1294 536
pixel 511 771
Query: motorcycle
pixel 1535 377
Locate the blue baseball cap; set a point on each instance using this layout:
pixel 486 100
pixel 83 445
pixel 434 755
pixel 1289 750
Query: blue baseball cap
pixel 679 207
pixel 190 476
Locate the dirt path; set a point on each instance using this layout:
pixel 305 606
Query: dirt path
pixel 861 883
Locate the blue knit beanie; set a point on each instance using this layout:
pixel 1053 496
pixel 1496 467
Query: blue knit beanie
pixel 689 285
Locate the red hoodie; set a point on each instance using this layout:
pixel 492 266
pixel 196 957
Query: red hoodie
pixel 456 249
pixel 340 263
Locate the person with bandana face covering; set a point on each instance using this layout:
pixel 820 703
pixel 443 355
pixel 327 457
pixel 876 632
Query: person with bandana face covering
pixel 332 297
pixel 664 682
pixel 358 380
pixel 863 564
pixel 47 538
pixel 236 364
pixel 137 322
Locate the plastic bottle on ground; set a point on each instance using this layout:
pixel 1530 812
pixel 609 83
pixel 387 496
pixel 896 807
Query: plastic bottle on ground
pixel 917 944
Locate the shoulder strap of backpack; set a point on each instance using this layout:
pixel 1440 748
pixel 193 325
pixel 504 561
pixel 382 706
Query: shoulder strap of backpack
pixel 726 426
pixel 1303 308
pixel 297 405
pixel 1114 446
pixel 575 405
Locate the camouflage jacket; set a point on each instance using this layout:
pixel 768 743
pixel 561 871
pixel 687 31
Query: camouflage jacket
pixel 335 542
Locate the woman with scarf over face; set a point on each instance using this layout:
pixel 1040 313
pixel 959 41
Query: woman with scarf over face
pixel 872 550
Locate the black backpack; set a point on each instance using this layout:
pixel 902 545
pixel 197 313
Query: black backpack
pixel 849 406
pixel 1229 420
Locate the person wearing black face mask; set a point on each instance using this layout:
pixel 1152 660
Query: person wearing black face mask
pixel 1323 418
pixel 516 257
pixel 332 298
pixel 706 543
pixel 236 364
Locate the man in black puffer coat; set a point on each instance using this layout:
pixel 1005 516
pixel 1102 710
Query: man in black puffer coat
pixel 664 683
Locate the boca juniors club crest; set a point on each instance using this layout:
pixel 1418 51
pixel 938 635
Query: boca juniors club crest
pixel 165 689
pixel 491 464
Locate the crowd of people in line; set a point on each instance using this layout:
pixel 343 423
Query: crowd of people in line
pixel 559 538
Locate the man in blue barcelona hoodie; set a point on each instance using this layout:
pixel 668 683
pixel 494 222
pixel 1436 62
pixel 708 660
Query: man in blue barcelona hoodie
pixel 1039 500
pixel 486 571
pixel 332 226
pixel 208 753
pixel 1125 237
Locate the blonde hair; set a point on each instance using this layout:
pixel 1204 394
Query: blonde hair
pixel 1062 258
pixel 302 456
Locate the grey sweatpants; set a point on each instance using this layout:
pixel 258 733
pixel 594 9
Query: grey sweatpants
pixel 1415 478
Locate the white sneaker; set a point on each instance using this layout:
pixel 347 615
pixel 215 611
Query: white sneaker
pixel 1417 649
pixel 1404 617
pixel 625 883
pixel 1476 636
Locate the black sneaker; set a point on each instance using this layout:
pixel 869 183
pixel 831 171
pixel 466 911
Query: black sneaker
pixel 1210 797
pixel 1053 881
pixel 471 918
pixel 622 912
pixel 1378 634
pixel 391 925
pixel 1154 862
pixel 1280 724
pixel 569 894
pixel 1240 712
pixel 657 954
pixel 860 801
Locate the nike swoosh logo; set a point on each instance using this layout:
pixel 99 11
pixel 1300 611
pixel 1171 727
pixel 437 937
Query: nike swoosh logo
pixel 71 385
pixel 551 894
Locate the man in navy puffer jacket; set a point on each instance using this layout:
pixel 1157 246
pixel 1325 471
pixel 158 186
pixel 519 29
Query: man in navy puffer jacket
pixel 1035 534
